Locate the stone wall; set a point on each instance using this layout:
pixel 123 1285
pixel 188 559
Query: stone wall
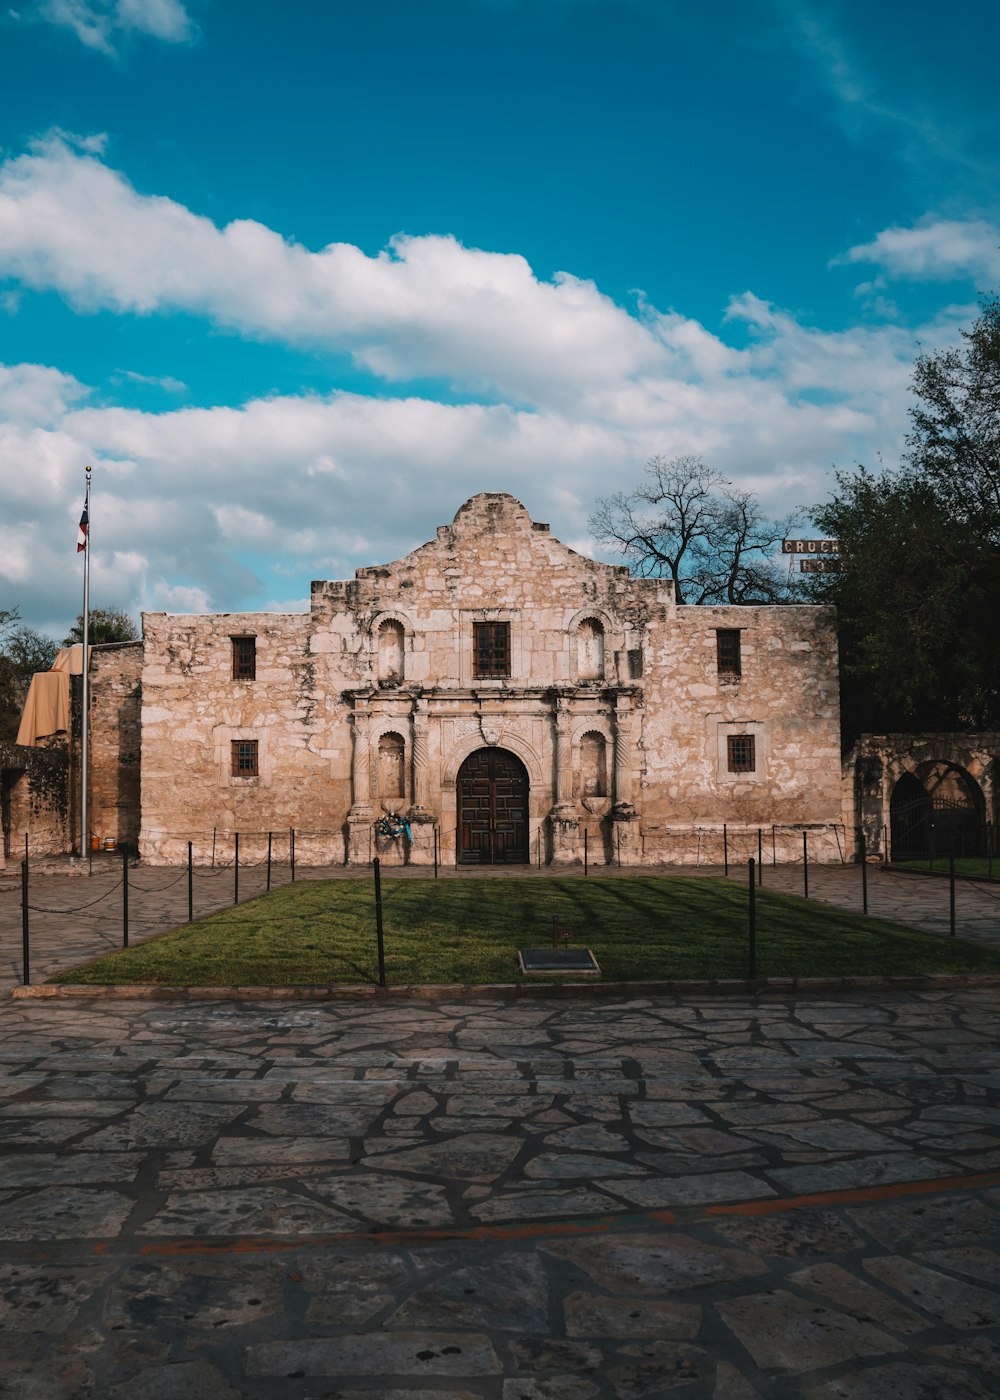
pixel 367 707
pixel 35 794
pixel 878 762
pixel 115 741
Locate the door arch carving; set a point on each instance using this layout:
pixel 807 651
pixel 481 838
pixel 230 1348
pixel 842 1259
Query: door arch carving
pixel 492 793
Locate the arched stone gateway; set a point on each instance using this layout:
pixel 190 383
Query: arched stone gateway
pixel 937 810
pixel 492 791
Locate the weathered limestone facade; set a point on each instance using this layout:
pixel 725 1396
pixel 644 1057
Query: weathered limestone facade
pixel 506 696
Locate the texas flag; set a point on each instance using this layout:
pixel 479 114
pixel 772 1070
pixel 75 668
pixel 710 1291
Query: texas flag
pixel 83 531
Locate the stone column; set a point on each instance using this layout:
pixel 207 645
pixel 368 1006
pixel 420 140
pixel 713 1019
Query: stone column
pixel 421 770
pixel 565 825
pixel 359 819
pixel 422 819
pixel 624 753
pixel 625 835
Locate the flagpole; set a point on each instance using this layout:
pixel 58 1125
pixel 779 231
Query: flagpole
pixel 85 702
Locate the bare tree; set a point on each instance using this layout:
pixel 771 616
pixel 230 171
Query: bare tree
pixel 686 522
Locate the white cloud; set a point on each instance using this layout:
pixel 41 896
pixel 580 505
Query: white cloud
pixel 934 250
pixel 98 24
pixel 424 307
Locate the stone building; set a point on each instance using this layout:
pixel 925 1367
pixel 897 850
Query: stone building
pixel 493 697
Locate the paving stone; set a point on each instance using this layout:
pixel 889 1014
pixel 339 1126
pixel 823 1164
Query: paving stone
pixel 414 1354
pixel 479 1156
pixel 261 1210
pixel 950 1219
pixel 46 1169
pixel 853 1295
pixel 180 1380
pixel 689 1190
pixel 313 1120
pixel 640 1265
pixel 981 1352
pixel 541 1205
pixel 558 1166
pixel 730 1385
pixel 49 1378
pixel 63 1213
pixel 248 1151
pixel 42 1132
pixel 549 1388
pixel 383 1201
pixel 902 1381
pixel 162 1125
pixel 977 1263
pixel 785 1333
pixel 800 1234
pixel 951 1300
pixel 588 1138
pixel 509 1294
pixel 658 1368
pixel 593 1315
pixel 554 1357
pixel 193 1295
pixel 859 1171
pixel 45 1299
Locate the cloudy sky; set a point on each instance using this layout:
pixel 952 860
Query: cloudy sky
pixel 299 278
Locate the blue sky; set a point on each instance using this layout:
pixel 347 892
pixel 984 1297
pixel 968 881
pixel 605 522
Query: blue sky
pixel 298 279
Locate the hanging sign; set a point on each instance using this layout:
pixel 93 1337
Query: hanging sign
pixel 819 566
pixel 810 546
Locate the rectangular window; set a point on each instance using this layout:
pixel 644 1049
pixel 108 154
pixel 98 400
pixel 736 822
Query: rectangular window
pixel 742 758
pixel 244 758
pixel 727 650
pixel 492 648
pixel 244 658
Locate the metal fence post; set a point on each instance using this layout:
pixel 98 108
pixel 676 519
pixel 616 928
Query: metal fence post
pixel 752 960
pixel 190 885
pixel 236 870
pixel 291 851
pixel 951 895
pixel 805 866
pixel 124 896
pixel 864 872
pixel 725 848
pixel 760 856
pixel 585 851
pixel 25 949
pixel 377 867
pixel 269 834
pixel 435 851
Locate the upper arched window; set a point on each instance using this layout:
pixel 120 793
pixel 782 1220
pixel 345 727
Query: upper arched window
pixel 390 651
pixel 590 650
pixel 391 766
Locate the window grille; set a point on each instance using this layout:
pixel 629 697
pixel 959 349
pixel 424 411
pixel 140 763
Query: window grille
pixel 244 757
pixel 742 755
pixel 244 658
pixel 492 649
pixel 727 649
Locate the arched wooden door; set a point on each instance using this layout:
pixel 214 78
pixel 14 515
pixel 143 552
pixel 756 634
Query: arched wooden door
pixel 492 809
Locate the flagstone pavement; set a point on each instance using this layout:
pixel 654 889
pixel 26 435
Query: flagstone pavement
pixel 447 1199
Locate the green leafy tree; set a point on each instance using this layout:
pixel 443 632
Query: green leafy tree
pixel 106 625
pixel 917 602
pixel 955 442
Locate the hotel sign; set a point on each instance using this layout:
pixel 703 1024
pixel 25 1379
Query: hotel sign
pixel 811 547
pixel 819 566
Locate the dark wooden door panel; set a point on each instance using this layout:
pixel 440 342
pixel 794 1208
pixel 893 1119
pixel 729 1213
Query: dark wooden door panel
pixel 492 809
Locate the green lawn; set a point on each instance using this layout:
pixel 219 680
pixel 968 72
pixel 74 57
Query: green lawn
pixel 964 865
pixel 470 930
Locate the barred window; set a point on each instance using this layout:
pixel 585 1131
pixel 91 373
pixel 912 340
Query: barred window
pixel 727 651
pixel 492 649
pixel 244 658
pixel 244 757
pixel 742 755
